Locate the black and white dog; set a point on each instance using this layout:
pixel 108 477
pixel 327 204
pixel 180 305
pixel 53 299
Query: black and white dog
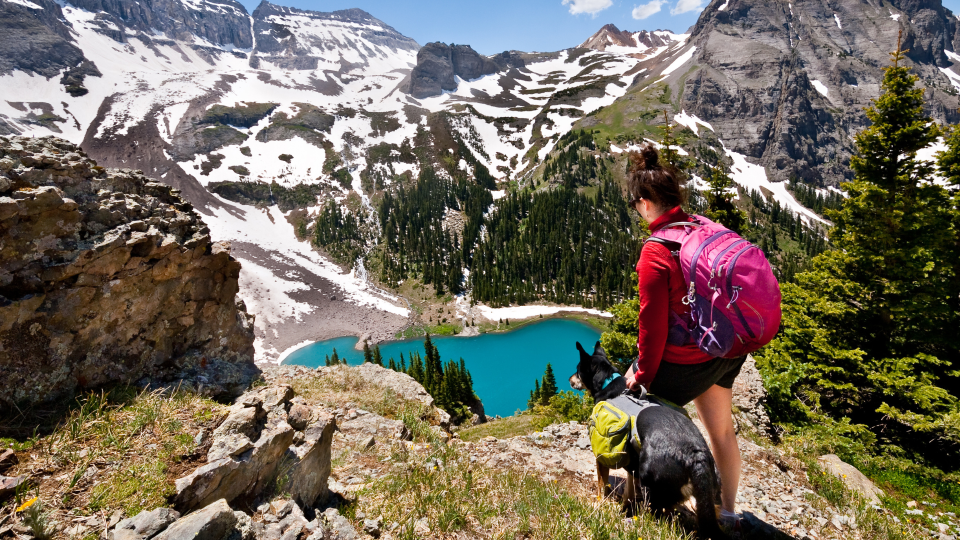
pixel 674 461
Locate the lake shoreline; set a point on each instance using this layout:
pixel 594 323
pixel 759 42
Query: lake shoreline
pixel 597 322
pixel 504 365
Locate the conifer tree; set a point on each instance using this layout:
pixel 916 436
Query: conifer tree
pixel 534 395
pixel 548 388
pixel 377 357
pixel 720 201
pixel 327 361
pixel 869 332
pixel 334 358
pixel 367 353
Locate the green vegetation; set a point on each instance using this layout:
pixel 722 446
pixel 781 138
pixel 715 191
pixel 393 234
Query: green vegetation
pixel 339 232
pixel 415 240
pixel 240 169
pixel 450 385
pixel 130 438
pixel 245 115
pixel 504 428
pixel 559 246
pixel 720 201
pixel 454 498
pixel 867 344
pixel 544 389
pixel 263 194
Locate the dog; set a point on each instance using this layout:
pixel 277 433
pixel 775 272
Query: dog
pixel 674 461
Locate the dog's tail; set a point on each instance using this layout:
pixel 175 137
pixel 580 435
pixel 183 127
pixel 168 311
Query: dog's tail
pixel 706 488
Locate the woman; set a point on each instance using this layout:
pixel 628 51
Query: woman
pixel 669 364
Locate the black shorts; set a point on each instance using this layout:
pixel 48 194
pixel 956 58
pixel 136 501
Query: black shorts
pixel 682 383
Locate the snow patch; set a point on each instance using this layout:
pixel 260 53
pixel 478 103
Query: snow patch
pixel 837 18
pixel 954 78
pixel 820 87
pixel 683 59
pixel 691 122
pixel 26 3
pixel 754 177
pixel 528 312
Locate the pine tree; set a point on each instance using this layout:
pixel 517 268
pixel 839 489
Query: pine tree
pixel 334 358
pixel 377 357
pixel 548 388
pixel 534 395
pixel 367 353
pixel 870 331
pixel 721 208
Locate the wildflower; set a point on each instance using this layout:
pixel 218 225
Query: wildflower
pixel 27 504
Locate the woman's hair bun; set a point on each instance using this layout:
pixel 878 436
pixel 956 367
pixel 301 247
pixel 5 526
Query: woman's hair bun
pixel 649 156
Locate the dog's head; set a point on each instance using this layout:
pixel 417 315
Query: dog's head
pixel 592 370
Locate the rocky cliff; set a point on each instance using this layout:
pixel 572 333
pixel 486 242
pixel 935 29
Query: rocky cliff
pixel 786 82
pixel 107 276
pixel 439 65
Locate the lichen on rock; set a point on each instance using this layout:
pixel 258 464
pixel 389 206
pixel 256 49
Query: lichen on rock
pixel 107 276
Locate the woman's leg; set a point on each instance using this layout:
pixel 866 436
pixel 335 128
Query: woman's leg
pixel 715 409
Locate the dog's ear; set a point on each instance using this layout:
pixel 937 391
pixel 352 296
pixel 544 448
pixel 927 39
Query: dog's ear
pixel 580 348
pixel 597 349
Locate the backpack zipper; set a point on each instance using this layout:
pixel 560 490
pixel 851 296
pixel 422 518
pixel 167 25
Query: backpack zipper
pixel 716 261
pixel 692 272
pixel 731 290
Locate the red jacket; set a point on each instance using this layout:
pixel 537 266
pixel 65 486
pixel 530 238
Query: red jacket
pixel 661 290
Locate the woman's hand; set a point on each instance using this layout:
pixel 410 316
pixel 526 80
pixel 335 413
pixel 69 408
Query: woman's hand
pixel 633 384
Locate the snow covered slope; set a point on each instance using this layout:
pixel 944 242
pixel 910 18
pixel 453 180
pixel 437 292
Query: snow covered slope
pixel 200 94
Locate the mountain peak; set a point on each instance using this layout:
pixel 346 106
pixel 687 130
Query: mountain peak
pixel 611 36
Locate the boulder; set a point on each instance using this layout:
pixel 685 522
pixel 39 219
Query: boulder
pixel 852 478
pixel 215 521
pixel 311 469
pixel 228 478
pixel 8 458
pixel 109 277
pixel 338 527
pixel 9 485
pixel 144 525
pixel 255 451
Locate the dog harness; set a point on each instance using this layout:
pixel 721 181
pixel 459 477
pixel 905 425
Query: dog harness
pixel 613 425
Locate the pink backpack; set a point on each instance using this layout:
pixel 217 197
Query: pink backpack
pixel 733 295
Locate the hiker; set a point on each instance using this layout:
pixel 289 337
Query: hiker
pixel 680 373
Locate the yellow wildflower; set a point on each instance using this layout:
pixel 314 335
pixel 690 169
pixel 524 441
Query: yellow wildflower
pixel 27 504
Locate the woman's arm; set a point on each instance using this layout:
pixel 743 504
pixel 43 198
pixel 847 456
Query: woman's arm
pixel 653 271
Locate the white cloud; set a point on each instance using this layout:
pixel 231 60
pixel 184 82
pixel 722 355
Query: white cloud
pixel 645 10
pixel 588 6
pixel 684 6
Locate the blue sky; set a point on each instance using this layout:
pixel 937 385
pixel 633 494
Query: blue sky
pixel 492 26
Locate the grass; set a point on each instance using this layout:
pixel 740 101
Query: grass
pixel 511 426
pixel 345 385
pixel 115 450
pixel 452 498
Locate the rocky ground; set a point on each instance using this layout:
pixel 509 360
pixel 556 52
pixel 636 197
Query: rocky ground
pixel 348 453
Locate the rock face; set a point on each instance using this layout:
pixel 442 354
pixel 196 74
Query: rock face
pixel 107 276
pixel 438 65
pixel 35 40
pixel 786 83
pixel 257 451
pixel 219 22
pixel 283 38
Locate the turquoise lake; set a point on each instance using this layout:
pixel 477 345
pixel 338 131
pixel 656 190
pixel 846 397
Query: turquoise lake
pixel 503 366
